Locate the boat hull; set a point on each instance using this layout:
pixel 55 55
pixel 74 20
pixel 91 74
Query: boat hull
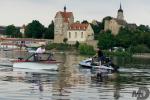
pixel 35 66
pixel 88 64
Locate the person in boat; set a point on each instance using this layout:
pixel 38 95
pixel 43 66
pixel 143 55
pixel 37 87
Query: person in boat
pixel 39 51
pixel 101 57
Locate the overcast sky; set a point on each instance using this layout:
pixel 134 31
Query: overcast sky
pixel 19 12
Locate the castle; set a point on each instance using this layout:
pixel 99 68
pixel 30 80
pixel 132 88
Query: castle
pixel 66 28
pixel 114 24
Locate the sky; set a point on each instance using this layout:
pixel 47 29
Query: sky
pixel 19 12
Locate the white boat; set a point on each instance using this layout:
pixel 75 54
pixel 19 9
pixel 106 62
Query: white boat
pixel 31 49
pixel 37 62
pixel 108 67
pixel 35 66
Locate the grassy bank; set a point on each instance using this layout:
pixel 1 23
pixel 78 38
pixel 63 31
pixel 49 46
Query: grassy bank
pixel 83 49
pixel 60 46
pixel 117 53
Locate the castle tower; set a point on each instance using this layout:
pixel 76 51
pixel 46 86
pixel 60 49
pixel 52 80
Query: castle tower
pixel 62 21
pixel 120 13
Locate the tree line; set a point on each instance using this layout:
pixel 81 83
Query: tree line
pixel 33 30
pixel 134 41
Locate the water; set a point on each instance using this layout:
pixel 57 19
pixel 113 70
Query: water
pixel 72 82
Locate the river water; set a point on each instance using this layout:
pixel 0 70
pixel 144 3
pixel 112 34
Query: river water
pixel 72 82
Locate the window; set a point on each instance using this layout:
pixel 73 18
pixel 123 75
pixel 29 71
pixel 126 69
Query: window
pixel 81 34
pixel 69 34
pixel 75 34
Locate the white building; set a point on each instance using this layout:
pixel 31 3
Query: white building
pixel 79 32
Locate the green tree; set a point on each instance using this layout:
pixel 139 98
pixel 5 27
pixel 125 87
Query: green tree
pixel 49 34
pixel 85 22
pixel 97 29
pixel 141 48
pixel 106 40
pixel 144 28
pixel 65 40
pixel 77 44
pixel 12 31
pixel 125 38
pixel 34 30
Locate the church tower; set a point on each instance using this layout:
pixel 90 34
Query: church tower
pixel 120 13
pixel 62 21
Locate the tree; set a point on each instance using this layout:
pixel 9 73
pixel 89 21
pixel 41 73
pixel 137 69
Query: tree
pixel 77 44
pixel 97 29
pixel 65 40
pixel 144 28
pixel 13 31
pixel 126 38
pixel 106 40
pixel 49 34
pixel 34 30
pixel 85 22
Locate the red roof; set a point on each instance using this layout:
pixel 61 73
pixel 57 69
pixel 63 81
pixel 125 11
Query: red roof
pixel 78 26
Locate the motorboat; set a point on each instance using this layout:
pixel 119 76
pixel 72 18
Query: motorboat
pixel 31 49
pixel 36 61
pixel 107 67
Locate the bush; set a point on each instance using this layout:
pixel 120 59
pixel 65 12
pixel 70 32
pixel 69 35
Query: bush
pixel 86 49
pixel 139 49
pixel 77 45
pixel 63 46
pixel 117 53
pixel 51 46
pixel 60 46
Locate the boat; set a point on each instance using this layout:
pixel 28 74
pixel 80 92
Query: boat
pixel 36 61
pixel 31 49
pixel 107 67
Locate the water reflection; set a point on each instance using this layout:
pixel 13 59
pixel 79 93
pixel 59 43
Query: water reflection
pixel 72 82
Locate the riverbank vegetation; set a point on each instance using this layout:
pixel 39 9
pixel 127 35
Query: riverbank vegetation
pixel 32 30
pixel 82 49
pixel 133 41
pixel 85 49
pixel 117 53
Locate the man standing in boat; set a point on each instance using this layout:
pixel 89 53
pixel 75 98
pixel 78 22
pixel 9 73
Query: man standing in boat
pixel 41 49
pixel 38 52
